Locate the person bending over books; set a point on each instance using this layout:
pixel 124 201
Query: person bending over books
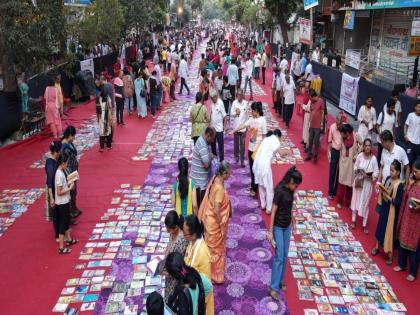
pixel 281 227
pixel 62 205
pixel 408 229
pixel 189 297
pixel 389 202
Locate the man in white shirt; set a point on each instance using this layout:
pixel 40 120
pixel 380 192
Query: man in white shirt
pixel 233 76
pixel 289 99
pixel 218 82
pixel 183 73
pixel 257 65
pixel 284 64
pixel 264 63
pixel 218 122
pixel 240 116
pixel 412 134
pixel 397 107
pixel 308 72
pixel 392 152
pixel 249 68
pixel 316 54
pixel 276 90
pixel 159 82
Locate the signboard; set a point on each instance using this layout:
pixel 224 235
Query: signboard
pixel 353 58
pixel 385 4
pixel 305 31
pixel 349 20
pixel 348 93
pixel 415 27
pixel 87 65
pixel 307 4
pixel 414 46
pixel 78 3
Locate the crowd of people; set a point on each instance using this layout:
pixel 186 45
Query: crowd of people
pixel 196 254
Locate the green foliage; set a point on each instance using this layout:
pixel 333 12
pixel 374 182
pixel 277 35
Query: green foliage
pixel 103 22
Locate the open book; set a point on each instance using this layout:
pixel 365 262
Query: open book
pixel 72 177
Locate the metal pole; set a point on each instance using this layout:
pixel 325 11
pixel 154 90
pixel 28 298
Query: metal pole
pixel 311 12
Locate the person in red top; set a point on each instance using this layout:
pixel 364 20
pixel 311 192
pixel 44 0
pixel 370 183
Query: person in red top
pixel 117 67
pixel 316 124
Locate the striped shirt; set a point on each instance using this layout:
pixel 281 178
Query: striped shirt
pixel 201 156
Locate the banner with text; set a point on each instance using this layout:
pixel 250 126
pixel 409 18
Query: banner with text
pixel 348 93
pixel 87 65
pixel 307 4
pixel 305 31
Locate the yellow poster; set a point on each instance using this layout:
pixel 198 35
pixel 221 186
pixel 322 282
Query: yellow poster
pixel 414 46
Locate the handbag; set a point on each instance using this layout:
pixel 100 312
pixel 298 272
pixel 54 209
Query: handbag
pixel 360 177
pixel 143 93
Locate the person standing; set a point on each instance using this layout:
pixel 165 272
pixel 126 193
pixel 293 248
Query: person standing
pixel 335 141
pixel 140 88
pixel 57 84
pixel 104 121
pixel 214 212
pixel 348 153
pixel 412 134
pixel 119 97
pixel 199 117
pixel 257 65
pixel 367 119
pixel 386 121
pixel 24 95
pixel 184 197
pixel 128 90
pixel 52 109
pixel 276 91
pixel 153 92
pixel 316 54
pixel 281 228
pixel 317 110
pixel 219 123
pixel 264 63
pixel 408 228
pixel 158 77
pixel 233 77
pixel 239 113
pixel 389 202
pixel 183 73
pixel 50 169
pixel 62 205
pixel 201 160
pixel 289 89
pixel 173 75
pixel 249 68
pixel 366 172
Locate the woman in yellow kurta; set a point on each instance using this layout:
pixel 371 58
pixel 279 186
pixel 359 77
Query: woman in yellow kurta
pixel 214 213
pixel 197 254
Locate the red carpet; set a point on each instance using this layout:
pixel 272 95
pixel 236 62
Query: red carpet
pixel 31 271
pixel 315 176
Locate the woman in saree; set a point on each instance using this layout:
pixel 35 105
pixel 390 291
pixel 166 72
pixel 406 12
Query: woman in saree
pixel 197 254
pixel 389 202
pixel 214 213
pixel 408 229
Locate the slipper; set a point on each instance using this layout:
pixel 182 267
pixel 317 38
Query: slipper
pixel 71 242
pixel 375 251
pixel 64 250
pixel 273 294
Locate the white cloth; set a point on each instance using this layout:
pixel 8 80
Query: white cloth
pixel 257 60
pixel 361 196
pixel 315 55
pixel 289 92
pixel 413 128
pixel 284 65
pixel 61 181
pixel 388 157
pixel 308 72
pixel 183 69
pixel 243 114
pixel 368 115
pixel 397 110
pixel 218 84
pixel 257 126
pixel 218 115
pixel 232 74
pixel 249 68
pixel 386 123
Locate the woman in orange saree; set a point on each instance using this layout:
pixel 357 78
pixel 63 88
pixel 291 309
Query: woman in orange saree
pixel 214 212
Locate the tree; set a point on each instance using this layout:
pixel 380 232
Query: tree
pixel 28 34
pixel 140 15
pixel 104 21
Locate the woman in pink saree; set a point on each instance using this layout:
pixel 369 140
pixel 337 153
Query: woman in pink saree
pixel 52 109
pixel 214 213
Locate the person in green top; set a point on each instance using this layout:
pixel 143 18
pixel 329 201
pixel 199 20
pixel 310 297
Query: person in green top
pixel 184 196
pixel 199 117
pixel 189 297
pixel 24 93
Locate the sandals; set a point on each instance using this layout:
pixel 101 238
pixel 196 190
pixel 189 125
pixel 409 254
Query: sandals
pixel 353 225
pixel 273 294
pixel 398 269
pixel 375 251
pixel 410 278
pixel 63 251
pixel 71 242
pixel 389 260
pixel 365 230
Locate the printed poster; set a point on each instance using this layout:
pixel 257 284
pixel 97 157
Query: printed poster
pixel 348 93
pixel 87 65
pixel 305 31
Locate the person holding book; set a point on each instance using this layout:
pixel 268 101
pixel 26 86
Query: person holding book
pixel 62 203
pixel 69 148
pixel 50 169
pixel 366 171
pixel 184 196
pixel 281 227
pixel 177 243
pixel 389 202
pixel 214 212
pixel 408 228
pixel 197 254
pixel 192 290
